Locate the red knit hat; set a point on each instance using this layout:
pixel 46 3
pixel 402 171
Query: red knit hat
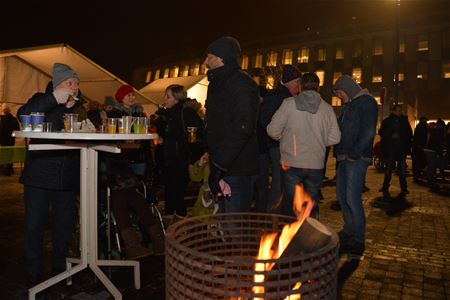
pixel 123 91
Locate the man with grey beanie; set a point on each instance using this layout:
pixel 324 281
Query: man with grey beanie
pixel 354 154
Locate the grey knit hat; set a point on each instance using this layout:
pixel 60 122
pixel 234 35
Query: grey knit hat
pixel 62 72
pixel 348 85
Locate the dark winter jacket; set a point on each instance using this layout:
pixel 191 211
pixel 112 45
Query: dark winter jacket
pixel 8 124
pixel 420 135
pixel 231 116
pixel 50 169
pixel 270 105
pixel 358 125
pixel 120 110
pixel 437 138
pixel 396 134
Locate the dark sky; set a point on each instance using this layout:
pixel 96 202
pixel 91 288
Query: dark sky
pixel 123 36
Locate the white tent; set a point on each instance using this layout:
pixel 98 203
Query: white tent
pixel 24 72
pixel 196 86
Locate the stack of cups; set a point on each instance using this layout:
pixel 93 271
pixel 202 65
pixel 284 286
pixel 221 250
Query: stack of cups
pixel 26 122
pixel 37 121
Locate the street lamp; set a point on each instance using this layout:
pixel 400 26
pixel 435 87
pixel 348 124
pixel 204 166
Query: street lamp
pixel 397 49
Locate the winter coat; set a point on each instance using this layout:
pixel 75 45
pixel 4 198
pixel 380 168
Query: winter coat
pixel 305 125
pixel 50 169
pixel 231 115
pixel 420 135
pixel 270 105
pixel 358 126
pixel 8 123
pixel 200 174
pixel 396 134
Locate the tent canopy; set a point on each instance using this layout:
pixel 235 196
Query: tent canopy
pixel 196 87
pixel 24 72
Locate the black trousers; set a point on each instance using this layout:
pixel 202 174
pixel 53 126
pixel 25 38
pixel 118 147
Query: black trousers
pixel 392 157
pixel 176 180
pixel 63 210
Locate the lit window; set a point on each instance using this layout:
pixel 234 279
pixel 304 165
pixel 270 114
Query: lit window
pixel 422 42
pixel 378 99
pixel 272 59
pixel 166 73
pixel 401 77
pixel 156 74
pixel 185 71
pixel 258 61
pixel 303 55
pixel 422 70
pixel 377 47
pixel 336 75
pixel 321 75
pixel 287 57
pixel 377 78
pixel 446 70
pixel 336 101
pixel 357 75
pixel 401 46
pixel 174 71
pixel 195 69
pixel 339 53
pixel 357 49
pixel 148 77
pixel 244 62
pixel 203 69
pixel 270 82
pixel 321 54
pixel 257 79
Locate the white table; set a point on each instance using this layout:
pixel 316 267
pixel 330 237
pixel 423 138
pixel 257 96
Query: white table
pixel 89 144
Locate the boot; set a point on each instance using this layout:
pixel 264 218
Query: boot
pixel 157 236
pixel 132 240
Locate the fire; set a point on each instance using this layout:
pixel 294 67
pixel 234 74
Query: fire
pixel 268 250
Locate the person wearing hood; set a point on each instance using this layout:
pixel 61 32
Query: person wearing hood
pixel 51 178
pixel 305 125
pixel 354 154
pixel 231 115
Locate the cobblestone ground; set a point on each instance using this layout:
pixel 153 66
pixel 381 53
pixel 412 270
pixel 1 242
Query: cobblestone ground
pixel 407 250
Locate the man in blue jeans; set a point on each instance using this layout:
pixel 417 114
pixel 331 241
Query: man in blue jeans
pixel 354 154
pixel 305 125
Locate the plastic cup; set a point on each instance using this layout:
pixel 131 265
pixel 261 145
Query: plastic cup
pixel 128 121
pixel 140 125
pixel 37 121
pixel 70 121
pixel 48 126
pixel 112 125
pixel 26 122
pixel 192 134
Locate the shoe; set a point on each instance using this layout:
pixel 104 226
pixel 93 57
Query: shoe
pixel 365 189
pixel 156 235
pixel 352 247
pixel 335 205
pixel 343 237
pixel 404 192
pixel 133 247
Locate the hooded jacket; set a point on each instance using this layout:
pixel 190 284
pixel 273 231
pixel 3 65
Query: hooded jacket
pixel 305 125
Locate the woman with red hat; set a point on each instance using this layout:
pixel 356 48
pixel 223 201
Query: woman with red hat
pixel 125 105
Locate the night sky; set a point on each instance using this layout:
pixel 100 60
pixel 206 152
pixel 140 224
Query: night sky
pixel 123 36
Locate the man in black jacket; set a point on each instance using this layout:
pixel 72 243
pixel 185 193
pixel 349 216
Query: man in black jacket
pixel 231 115
pixel 51 177
pixel 396 135
pixel 8 123
pixel 419 142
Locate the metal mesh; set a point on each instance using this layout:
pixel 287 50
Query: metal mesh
pixel 213 257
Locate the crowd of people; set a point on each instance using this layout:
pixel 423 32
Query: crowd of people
pixel 249 151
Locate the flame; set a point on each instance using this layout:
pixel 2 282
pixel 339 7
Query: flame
pixel 268 250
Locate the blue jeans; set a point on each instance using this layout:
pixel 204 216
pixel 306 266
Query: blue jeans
pixel 241 194
pixel 349 184
pixel 311 180
pixel 276 187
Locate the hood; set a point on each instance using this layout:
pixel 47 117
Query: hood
pixel 362 93
pixel 308 101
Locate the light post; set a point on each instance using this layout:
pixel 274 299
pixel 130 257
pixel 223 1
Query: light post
pixel 397 49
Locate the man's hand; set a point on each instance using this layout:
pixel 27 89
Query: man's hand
pixel 214 178
pixel 62 95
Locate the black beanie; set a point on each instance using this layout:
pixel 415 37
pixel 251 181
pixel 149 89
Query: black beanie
pixel 226 47
pixel 290 73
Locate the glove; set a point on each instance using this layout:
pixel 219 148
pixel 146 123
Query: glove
pixel 62 95
pixel 214 178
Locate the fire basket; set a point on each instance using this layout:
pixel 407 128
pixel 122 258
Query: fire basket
pixel 215 257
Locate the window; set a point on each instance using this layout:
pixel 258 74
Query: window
pixel 446 70
pixel 271 59
pixel 321 54
pixel 401 77
pixel 336 75
pixel 321 75
pixel 336 101
pixel 378 99
pixel 185 71
pixel 244 62
pixel 422 42
pixel 195 69
pixel 156 74
pixel 422 70
pixel 401 46
pixel 270 82
pixel 258 61
pixel 303 55
pixel 377 76
pixel 166 73
pixel 257 79
pixel 148 77
pixel 377 47
pixel 357 75
pixel 203 69
pixel 339 53
pixel 357 49
pixel 287 57
pixel 174 71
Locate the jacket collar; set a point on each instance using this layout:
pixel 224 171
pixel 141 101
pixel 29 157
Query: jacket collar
pixel 223 71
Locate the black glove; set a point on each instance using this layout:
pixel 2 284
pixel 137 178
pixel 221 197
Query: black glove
pixel 214 177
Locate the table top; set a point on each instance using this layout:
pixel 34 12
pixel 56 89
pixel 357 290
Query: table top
pixel 84 136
